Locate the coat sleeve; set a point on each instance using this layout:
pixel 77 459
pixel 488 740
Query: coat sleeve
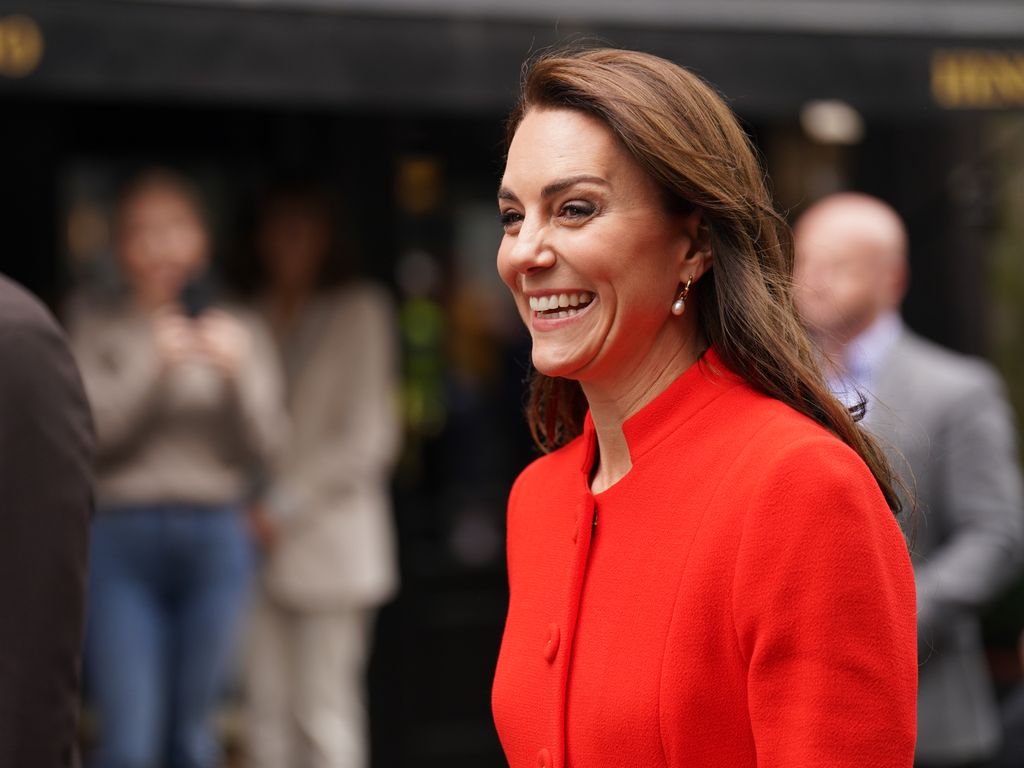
pixel 824 614
pixel 46 449
pixel 982 507
pixel 257 397
pixel 366 437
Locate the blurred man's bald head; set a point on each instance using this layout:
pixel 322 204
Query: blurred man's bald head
pixel 851 264
pixel 871 222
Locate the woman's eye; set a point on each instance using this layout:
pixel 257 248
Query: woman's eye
pixel 577 210
pixel 509 218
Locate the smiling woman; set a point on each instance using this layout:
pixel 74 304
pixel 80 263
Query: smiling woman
pixel 745 598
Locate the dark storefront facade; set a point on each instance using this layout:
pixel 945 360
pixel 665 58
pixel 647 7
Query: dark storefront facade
pixel 400 105
pixel 299 81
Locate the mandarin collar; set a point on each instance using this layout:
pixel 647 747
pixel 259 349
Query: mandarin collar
pixel 698 385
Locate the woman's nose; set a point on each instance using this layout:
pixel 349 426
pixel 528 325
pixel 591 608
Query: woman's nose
pixel 531 250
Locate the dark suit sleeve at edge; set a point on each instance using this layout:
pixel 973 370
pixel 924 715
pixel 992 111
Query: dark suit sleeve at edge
pixel 46 450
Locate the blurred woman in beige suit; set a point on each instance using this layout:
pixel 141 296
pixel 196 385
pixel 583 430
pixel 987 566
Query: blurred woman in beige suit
pixel 326 527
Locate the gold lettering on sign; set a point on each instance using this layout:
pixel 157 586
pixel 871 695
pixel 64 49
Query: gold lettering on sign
pixel 21 46
pixel 978 79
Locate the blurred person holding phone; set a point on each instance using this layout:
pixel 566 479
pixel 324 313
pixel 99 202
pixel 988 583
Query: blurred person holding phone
pixel 187 401
pixel 327 530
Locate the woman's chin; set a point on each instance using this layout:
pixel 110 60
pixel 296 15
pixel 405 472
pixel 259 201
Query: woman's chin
pixel 563 367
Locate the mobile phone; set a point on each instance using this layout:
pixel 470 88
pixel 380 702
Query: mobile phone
pixel 195 296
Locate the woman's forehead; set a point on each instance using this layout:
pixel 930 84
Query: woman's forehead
pixel 157 199
pixel 553 144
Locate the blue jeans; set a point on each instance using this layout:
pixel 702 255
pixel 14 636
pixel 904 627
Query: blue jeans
pixel 166 586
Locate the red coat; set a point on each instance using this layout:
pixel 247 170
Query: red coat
pixel 742 597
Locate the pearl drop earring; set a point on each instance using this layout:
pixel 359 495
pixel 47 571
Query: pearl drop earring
pixel 679 305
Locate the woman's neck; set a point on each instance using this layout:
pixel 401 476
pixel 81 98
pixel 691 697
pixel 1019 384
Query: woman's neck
pixel 612 403
pixel 285 305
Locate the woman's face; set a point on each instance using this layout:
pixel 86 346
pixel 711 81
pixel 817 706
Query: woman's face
pixel 162 243
pixel 590 253
pixel 294 240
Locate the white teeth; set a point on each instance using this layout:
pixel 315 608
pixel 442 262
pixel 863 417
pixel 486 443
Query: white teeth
pixel 559 301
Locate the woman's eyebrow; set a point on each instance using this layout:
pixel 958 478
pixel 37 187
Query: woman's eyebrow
pixel 563 184
pixel 555 187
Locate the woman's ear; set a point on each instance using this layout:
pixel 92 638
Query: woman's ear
pixel 697 256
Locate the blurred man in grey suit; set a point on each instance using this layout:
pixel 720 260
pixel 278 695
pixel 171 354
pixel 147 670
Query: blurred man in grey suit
pixel 46 449
pixel 944 420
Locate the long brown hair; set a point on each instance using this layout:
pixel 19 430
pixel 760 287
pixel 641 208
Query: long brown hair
pixel 682 135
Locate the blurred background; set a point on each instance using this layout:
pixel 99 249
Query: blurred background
pixel 399 106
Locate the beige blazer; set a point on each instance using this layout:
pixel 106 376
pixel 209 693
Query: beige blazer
pixel 329 492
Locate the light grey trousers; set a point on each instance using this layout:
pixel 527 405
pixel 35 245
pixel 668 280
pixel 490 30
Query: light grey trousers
pixel 305 679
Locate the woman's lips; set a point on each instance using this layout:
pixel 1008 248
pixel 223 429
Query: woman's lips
pixel 556 310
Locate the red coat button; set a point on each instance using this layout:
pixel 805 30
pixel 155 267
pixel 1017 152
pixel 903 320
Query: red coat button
pixel 544 759
pixel 551 647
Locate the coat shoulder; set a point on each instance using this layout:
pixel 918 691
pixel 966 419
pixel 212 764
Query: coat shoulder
pixel 33 346
pixel 954 374
pixel 19 306
pixel 778 447
pixel 360 295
